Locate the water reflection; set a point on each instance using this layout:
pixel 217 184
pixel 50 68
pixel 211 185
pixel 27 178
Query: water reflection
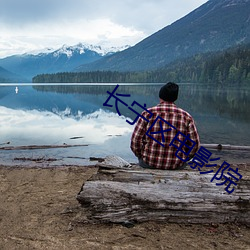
pixel 225 101
pixel 52 114
pixel 222 114
pixel 29 127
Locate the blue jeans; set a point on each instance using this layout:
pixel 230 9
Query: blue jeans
pixel 145 165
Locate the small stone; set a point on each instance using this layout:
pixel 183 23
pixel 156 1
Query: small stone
pixel 70 227
pixel 128 224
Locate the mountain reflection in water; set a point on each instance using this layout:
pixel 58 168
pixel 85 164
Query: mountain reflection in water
pixel 52 114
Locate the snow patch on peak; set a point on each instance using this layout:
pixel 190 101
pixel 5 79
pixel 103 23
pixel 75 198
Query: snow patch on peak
pixel 81 48
pixel 65 49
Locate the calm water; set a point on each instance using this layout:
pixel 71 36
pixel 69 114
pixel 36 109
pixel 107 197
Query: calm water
pixel 74 114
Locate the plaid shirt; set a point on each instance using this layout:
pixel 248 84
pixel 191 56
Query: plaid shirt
pixel 150 151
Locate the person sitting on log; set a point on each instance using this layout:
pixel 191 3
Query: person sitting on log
pixel 165 136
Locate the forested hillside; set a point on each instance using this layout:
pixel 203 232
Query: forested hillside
pixel 229 66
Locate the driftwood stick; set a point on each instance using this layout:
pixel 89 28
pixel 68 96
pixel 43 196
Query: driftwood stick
pixel 225 147
pixel 29 147
pixel 120 195
pixel 41 159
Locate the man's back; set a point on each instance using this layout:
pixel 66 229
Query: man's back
pixel 167 139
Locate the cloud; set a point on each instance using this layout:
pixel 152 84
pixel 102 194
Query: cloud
pixel 38 36
pixel 142 14
pixel 38 23
pixel 22 12
pixel 33 127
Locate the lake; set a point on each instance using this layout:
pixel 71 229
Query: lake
pixel 73 114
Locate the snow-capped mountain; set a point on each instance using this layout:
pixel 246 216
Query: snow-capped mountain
pixel 64 59
pixel 81 48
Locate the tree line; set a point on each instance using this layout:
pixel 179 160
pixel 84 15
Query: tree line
pixel 231 66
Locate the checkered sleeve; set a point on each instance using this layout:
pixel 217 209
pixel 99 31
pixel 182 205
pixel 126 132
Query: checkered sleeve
pixel 138 137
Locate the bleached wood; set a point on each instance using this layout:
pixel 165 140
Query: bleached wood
pixel 118 195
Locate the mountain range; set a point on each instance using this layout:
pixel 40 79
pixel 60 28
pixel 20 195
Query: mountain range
pixel 64 59
pixel 214 26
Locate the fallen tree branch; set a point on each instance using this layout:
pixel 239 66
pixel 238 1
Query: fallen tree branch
pixel 225 147
pixel 41 159
pixel 29 147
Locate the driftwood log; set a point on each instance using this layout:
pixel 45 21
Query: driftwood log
pixel 226 147
pixel 30 147
pixel 119 195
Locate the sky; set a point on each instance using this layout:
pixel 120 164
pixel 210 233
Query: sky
pixel 32 25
